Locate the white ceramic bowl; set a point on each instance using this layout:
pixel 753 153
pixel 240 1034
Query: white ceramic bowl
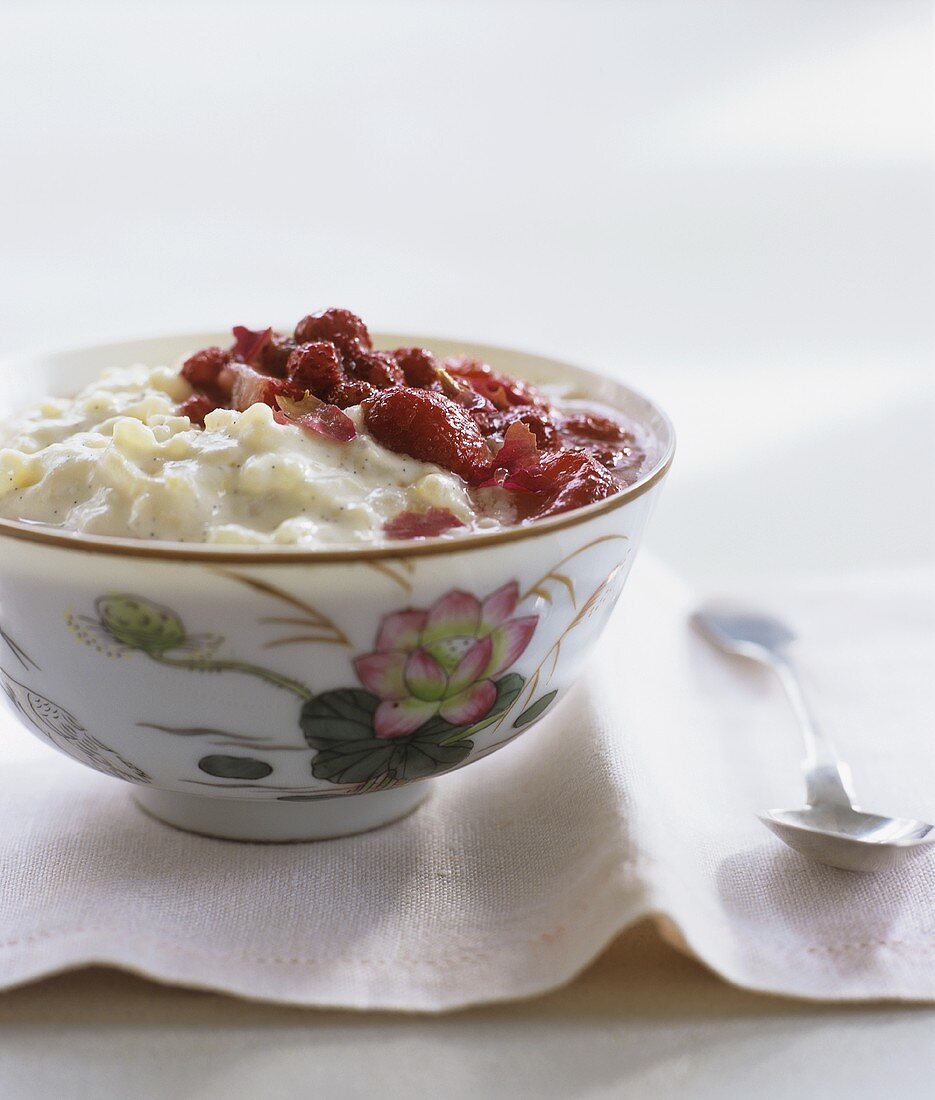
pixel 241 689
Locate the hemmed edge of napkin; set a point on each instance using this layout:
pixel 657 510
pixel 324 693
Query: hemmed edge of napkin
pixel 520 970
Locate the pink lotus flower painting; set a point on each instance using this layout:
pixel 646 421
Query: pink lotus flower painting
pixel 443 661
pixel 435 677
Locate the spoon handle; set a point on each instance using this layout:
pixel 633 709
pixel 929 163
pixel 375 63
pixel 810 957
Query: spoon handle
pixel 827 777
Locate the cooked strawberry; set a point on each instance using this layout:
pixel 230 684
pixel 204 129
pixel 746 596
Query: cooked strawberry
pixel 537 419
pixel 344 329
pixel 564 480
pixel 428 426
pixel 201 370
pixel 197 407
pixel 315 367
pixel 275 355
pixel 421 525
pixel 419 366
pixel 379 368
pixel 587 425
pixel 500 389
pixel 350 392
pixel 608 441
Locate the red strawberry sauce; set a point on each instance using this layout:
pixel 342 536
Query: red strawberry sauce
pixel 499 434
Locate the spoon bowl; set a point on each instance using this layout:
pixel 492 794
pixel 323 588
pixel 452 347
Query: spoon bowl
pixel 849 838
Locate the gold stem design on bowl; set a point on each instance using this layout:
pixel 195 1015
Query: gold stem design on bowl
pixel 207 664
pixel 318 627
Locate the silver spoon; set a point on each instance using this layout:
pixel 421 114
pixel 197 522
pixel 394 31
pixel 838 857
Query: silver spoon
pixel 830 828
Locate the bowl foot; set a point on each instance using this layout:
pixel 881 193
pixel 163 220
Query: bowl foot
pixel 280 822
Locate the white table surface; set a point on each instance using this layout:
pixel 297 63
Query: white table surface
pixel 729 204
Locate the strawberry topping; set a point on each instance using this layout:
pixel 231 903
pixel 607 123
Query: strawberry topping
pixel 344 329
pixel 421 525
pixel 495 432
pixel 202 368
pixel 197 407
pixel 315 367
pixel 428 426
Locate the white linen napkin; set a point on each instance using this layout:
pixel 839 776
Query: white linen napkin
pixel 636 797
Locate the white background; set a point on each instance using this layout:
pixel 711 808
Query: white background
pixel 730 204
pixel 659 183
